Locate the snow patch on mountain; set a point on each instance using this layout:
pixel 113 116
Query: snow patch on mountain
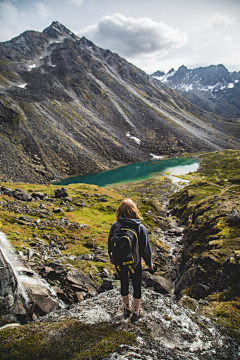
pixel 157 157
pixel 187 87
pixel 23 86
pixel 138 141
pixel 165 77
pixel 30 67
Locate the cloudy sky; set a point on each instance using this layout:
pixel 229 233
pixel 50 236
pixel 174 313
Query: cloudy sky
pixel 151 34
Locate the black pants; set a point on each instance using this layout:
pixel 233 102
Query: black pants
pixel 136 281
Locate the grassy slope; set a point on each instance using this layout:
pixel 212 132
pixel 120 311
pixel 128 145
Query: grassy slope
pixel 97 215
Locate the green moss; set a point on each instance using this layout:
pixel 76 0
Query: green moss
pixel 68 339
pixel 228 315
pixel 160 244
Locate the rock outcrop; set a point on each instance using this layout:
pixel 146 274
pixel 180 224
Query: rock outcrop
pixel 8 285
pixel 167 330
pixel 209 210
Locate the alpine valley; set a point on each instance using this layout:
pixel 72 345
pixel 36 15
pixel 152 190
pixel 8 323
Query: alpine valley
pixel 68 107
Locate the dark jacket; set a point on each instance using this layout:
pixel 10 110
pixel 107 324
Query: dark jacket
pixel 144 243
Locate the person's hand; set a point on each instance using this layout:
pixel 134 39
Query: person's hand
pixel 110 261
pixel 152 269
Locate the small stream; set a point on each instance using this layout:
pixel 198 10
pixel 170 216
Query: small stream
pixel 12 260
pixel 27 279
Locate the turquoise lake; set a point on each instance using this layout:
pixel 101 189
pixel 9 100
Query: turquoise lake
pixel 135 172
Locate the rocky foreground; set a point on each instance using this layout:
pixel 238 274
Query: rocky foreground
pixel 167 331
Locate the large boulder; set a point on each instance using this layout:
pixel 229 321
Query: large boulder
pixel 40 195
pixel 81 282
pixel 161 211
pixel 158 283
pixel 61 193
pixel 20 311
pixel 6 191
pixel 80 203
pixel 21 195
pixel 234 217
pixel 43 304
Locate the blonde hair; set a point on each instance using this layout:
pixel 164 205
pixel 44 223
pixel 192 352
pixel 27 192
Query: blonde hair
pixel 128 209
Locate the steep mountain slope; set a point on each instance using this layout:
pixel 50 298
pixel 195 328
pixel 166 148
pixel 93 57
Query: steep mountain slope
pixel 68 107
pixel 211 88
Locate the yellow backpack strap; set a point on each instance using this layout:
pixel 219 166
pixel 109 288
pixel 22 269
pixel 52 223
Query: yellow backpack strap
pixel 131 269
pixel 128 262
pixel 118 268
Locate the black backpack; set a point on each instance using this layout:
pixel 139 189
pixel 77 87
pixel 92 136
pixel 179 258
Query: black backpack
pixel 125 248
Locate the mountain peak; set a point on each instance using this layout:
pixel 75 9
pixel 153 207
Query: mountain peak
pixel 207 87
pixel 182 68
pixel 56 30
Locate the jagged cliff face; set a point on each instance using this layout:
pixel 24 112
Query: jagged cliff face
pixel 211 88
pixel 68 107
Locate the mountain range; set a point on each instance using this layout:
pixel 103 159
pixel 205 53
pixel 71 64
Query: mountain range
pixel 211 88
pixel 68 107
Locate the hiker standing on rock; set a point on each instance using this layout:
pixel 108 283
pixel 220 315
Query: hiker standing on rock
pixel 128 242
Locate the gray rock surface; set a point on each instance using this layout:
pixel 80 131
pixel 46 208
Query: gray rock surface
pixel 167 330
pixel 8 285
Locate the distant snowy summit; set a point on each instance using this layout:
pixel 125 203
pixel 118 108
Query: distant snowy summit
pixel 211 88
pixel 212 78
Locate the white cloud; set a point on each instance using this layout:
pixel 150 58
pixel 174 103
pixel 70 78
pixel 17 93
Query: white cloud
pixel 8 12
pixel 11 21
pixel 228 40
pixel 14 21
pixel 43 10
pixel 220 22
pixel 76 3
pixel 131 37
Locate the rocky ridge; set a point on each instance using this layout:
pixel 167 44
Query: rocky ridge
pixel 211 88
pixel 68 107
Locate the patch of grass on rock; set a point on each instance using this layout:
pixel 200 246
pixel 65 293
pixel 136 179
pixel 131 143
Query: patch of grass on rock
pixel 66 340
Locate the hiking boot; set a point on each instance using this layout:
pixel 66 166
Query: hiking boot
pixel 127 312
pixel 135 317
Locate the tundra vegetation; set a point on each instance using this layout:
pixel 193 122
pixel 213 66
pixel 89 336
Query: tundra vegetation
pixel 208 270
